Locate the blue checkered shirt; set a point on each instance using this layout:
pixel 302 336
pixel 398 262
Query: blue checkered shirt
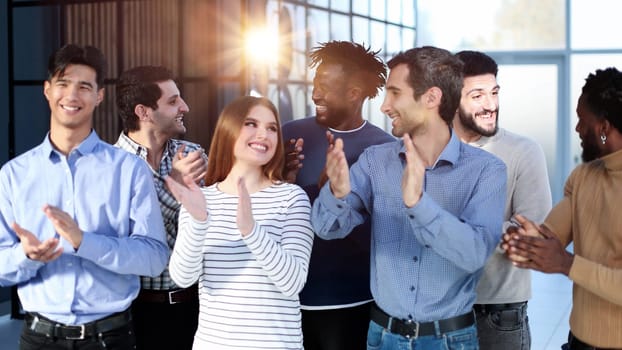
pixel 168 204
pixel 425 260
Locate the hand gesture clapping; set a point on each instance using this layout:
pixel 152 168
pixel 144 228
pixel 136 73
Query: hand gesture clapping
pixel 193 164
pixel 414 172
pixel 245 213
pixel 189 194
pixel 337 168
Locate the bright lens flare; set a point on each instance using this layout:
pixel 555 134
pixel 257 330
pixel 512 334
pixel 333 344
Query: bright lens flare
pixel 262 46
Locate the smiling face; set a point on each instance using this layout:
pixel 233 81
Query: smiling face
pixel 330 95
pixel 479 105
pixel 168 118
pixel 406 113
pixel 72 98
pixel 258 139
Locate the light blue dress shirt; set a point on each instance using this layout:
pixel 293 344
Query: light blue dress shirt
pixel 425 260
pixel 110 194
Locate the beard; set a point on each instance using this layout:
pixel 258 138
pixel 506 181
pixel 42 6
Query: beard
pixel 590 147
pixel 468 121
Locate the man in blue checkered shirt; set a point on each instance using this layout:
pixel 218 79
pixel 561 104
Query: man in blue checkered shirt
pixel 152 111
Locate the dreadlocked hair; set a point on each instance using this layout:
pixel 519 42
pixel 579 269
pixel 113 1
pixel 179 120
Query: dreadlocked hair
pixel 359 63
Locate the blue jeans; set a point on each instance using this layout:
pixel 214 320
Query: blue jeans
pixel 507 329
pixel 379 338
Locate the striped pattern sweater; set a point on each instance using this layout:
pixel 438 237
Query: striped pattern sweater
pixel 248 286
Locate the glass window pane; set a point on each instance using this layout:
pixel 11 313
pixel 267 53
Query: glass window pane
pixel 378 35
pixel 408 38
pixel 28 42
pixel 536 119
pixel 492 25
pixel 360 30
pixel 318 26
pixel 340 27
pixel 299 69
pixel 361 7
pixel 322 3
pixel 408 13
pixel 595 24
pixel 340 5
pixel 394 11
pixel 395 44
pixel 378 9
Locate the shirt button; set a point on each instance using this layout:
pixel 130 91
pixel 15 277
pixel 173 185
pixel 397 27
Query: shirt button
pixel 427 246
pixel 415 259
pixel 412 288
pixel 339 206
pixel 411 216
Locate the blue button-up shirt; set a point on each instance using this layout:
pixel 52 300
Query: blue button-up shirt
pixel 111 196
pixel 425 260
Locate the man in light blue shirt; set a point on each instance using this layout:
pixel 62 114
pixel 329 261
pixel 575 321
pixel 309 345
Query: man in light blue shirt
pixel 436 207
pixel 79 220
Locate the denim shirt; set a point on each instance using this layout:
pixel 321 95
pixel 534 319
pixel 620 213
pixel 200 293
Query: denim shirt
pixel 425 260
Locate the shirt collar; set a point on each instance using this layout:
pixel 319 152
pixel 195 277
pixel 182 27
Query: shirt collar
pixel 85 147
pixel 126 143
pixel 613 161
pixel 450 153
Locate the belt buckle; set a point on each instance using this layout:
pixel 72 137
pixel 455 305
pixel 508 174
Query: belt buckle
pixel 410 322
pixel 170 297
pixel 80 337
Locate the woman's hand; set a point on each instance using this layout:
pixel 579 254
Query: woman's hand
pixel 189 194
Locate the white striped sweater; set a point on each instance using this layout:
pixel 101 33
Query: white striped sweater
pixel 248 287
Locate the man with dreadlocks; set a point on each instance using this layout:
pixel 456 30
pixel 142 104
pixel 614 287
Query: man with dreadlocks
pixel 589 217
pixel 336 299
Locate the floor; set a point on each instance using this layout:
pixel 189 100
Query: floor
pixel 548 311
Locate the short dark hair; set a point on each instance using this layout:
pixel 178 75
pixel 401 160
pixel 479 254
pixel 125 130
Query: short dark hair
pixel 477 63
pixel 430 66
pixel 602 94
pixel 139 85
pixel 358 62
pixel 73 54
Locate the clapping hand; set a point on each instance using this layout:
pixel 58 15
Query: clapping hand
pixel 413 177
pixel 337 168
pixel 192 164
pixel 293 159
pixel 34 249
pixel 189 194
pixel 245 213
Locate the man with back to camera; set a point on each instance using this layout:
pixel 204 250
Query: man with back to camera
pixel 435 204
pixel 503 291
pixel 152 111
pixel 79 220
pixel 589 217
pixel 336 298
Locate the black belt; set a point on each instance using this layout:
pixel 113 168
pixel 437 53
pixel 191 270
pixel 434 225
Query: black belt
pixel 169 296
pixel 412 329
pixel 576 344
pixel 45 326
pixel 490 308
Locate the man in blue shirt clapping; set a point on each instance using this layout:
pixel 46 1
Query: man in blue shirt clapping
pixel 436 207
pixel 79 220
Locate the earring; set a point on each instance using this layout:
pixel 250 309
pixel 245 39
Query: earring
pixel 603 138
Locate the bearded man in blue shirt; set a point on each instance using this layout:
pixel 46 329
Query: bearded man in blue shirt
pixel 79 220
pixel 435 203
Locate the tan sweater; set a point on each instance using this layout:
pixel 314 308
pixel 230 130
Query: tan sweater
pixel 590 215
